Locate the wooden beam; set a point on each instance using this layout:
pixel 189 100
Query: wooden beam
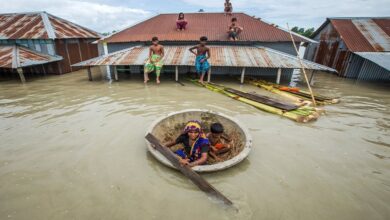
pixel 186 170
pixel 278 76
pixel 209 75
pixel 242 75
pixel 89 73
pixel 115 73
pixel 176 73
pixel 21 75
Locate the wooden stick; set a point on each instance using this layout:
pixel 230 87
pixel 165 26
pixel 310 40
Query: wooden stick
pixel 302 67
pixel 186 170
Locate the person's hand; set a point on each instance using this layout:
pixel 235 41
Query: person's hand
pixel 184 162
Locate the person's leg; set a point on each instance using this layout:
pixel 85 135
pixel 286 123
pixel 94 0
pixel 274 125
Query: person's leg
pixel 148 68
pixel 159 66
pixel 178 26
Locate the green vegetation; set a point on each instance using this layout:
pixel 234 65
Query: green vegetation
pixel 307 33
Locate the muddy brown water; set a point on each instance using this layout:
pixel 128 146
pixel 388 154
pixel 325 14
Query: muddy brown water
pixel 73 149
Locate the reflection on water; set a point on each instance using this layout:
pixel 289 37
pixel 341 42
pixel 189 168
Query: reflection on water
pixel 73 149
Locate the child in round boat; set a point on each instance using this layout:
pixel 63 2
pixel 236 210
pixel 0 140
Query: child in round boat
pixel 196 145
pixel 154 62
pixel 219 142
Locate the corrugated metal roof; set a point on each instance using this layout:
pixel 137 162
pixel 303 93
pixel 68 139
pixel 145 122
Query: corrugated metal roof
pixel 380 58
pixel 41 25
pixel 364 34
pixel 18 56
pixel 212 25
pixel 230 56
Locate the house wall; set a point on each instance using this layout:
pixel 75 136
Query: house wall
pixel 74 51
pixel 363 69
pixel 331 50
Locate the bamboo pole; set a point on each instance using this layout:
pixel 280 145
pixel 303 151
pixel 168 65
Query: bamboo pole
pixel 302 67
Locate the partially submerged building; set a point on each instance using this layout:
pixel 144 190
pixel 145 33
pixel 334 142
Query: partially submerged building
pixel 262 49
pixel 43 43
pixel 357 48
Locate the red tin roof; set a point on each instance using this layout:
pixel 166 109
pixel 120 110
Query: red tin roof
pixel 212 25
pixel 41 25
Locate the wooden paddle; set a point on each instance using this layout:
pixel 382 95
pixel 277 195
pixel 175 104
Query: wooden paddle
pixel 187 171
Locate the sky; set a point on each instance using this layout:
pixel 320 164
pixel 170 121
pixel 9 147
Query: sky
pixel 106 16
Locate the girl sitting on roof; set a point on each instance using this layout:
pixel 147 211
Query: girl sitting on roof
pixel 195 143
pixel 181 22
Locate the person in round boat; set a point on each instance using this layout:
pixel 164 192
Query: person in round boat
pixel 195 143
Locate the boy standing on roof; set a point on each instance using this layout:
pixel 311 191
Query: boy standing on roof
pixel 202 55
pixel 154 62
pixel 228 7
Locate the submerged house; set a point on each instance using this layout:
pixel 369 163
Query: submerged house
pixel 262 49
pixel 357 48
pixel 39 42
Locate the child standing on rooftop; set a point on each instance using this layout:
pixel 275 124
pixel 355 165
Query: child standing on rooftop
pixel 154 62
pixel 202 55
pixel 228 7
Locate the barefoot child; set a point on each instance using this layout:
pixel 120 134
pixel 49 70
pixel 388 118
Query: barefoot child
pixel 228 7
pixel 202 55
pixel 195 145
pixel 219 142
pixel 154 62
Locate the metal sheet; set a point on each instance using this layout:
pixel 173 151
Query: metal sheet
pixel 223 56
pixel 380 58
pixel 41 26
pixel 19 56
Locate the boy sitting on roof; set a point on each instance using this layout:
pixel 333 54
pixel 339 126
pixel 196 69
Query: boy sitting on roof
pixel 219 142
pixel 154 62
pixel 202 55
pixel 195 145
pixel 181 22
pixel 234 30
pixel 228 7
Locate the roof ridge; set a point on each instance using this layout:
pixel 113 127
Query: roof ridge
pixel 48 26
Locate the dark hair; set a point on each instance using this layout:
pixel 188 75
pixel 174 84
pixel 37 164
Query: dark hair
pixel 181 13
pixel 154 38
pixel 234 19
pixel 216 128
pixel 203 38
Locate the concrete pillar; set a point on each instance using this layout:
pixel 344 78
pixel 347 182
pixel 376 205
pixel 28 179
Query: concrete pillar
pixel 311 80
pixel 242 75
pixel 108 70
pixel 278 76
pixel 21 75
pixel 115 73
pixel 176 73
pixel 209 75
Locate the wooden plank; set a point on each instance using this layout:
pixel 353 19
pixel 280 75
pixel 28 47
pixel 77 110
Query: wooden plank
pixel 89 73
pixel 187 171
pixel 263 99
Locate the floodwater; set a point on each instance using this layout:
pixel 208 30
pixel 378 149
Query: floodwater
pixel 74 149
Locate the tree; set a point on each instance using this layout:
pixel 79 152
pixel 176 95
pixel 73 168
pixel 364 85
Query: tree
pixel 307 33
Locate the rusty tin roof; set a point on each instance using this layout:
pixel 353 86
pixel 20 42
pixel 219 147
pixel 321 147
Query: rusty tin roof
pixel 362 34
pixel 19 56
pixel 41 25
pixel 227 56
